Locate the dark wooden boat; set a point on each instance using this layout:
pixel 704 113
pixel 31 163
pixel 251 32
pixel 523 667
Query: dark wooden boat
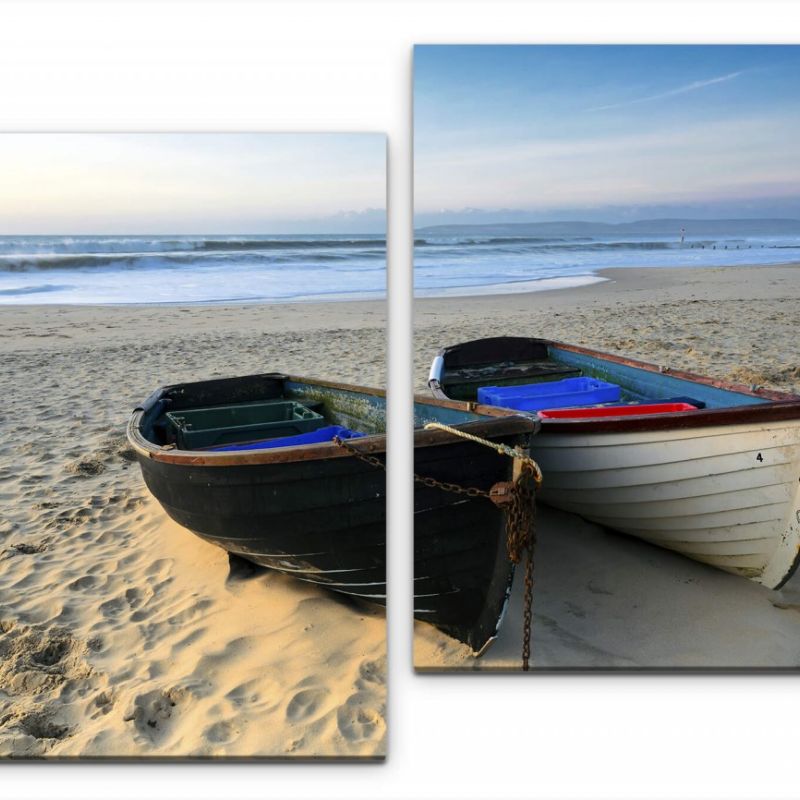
pixel 707 468
pixel 315 511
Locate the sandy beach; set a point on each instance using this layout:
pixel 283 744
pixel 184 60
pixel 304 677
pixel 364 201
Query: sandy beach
pixel 121 634
pixel 601 599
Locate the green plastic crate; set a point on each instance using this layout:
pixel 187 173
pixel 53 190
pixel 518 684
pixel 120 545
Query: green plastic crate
pixel 201 428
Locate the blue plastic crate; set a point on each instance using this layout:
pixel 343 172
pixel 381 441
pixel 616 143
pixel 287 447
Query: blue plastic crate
pixel 552 394
pixel 320 435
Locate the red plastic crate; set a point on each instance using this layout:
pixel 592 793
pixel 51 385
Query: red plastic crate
pixel 615 411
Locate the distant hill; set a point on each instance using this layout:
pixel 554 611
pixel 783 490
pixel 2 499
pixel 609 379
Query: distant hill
pixel 644 227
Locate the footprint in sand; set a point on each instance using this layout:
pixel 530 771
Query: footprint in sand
pixel 32 662
pixel 221 732
pixel 85 583
pixel 41 725
pixel 85 467
pixel 53 652
pixel 306 703
pixel 244 693
pixel 104 703
pixel 159 569
pixel 131 560
pixel 153 712
pixel 111 609
pixel 192 612
pixel 373 671
pixel 359 720
pixel 136 597
pixel 133 599
pixel 263 693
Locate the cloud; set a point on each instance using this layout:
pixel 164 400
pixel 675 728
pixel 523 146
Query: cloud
pixel 689 87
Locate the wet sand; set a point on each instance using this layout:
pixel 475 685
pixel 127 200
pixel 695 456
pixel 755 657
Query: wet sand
pixel 602 599
pixel 122 634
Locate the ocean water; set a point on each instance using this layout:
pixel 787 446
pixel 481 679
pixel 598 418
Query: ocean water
pixel 190 269
pixel 464 265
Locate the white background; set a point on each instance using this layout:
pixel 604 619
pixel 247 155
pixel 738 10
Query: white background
pixel 347 66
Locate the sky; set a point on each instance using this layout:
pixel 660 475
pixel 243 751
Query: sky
pixel 605 133
pixel 192 183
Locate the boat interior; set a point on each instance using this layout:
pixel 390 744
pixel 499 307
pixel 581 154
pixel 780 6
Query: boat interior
pixel 259 412
pixel 556 381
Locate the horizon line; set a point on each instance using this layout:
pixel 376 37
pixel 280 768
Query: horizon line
pixel 566 220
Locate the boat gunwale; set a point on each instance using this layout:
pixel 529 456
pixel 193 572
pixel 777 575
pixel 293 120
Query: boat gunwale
pixel 779 406
pixel 499 422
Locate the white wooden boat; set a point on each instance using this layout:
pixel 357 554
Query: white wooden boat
pixel 719 484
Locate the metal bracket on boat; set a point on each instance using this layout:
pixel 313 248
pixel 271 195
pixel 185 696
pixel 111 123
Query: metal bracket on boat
pixel 502 493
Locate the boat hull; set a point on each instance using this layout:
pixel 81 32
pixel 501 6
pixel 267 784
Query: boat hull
pixel 289 517
pixel 728 496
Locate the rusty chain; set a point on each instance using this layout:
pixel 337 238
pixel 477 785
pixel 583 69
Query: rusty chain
pixel 518 502
pixel 431 483
pixel 521 537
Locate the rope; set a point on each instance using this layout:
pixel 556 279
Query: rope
pixel 501 448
